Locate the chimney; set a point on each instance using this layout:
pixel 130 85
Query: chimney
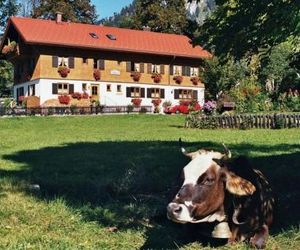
pixel 58 17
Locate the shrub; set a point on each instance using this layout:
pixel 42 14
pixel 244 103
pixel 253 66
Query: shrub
pixel 64 99
pixel 156 102
pixel 167 104
pixel 130 108
pixel 209 107
pixel 73 109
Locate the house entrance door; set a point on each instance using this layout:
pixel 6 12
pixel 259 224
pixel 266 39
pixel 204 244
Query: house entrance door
pixel 95 92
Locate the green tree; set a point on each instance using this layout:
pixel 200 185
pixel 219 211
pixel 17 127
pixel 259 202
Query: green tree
pixel 7 8
pixel 76 11
pixel 240 27
pixel 168 16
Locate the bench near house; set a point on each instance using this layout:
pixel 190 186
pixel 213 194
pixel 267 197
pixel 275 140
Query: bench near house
pixel 112 65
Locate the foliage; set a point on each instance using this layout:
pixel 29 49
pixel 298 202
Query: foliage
pixel 240 27
pixel 130 108
pixel 167 104
pixel 82 11
pixel 167 16
pixel 7 8
pixel 6 78
pixel 289 101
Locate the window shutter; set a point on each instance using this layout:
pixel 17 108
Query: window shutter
pixel 101 64
pixel 195 94
pixel 128 66
pixel 162 93
pixel 149 93
pixel 142 68
pixel 128 92
pixel 71 88
pixel 54 89
pixel 162 69
pixel 149 67
pixel 33 89
pixel 54 61
pixel 132 66
pixel 184 70
pixel 71 62
pixel 188 70
pixel 142 92
pixel 176 94
pixel 171 70
pixel 28 90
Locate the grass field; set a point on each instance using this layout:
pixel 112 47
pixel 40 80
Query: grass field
pixel 104 181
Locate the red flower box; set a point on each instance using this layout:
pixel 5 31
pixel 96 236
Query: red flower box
pixel 76 95
pixel 136 76
pixel 156 77
pixel 97 74
pixel 63 71
pixel 156 102
pixel 85 96
pixel 178 79
pixel 195 80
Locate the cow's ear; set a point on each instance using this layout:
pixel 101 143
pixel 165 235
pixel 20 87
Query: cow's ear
pixel 236 184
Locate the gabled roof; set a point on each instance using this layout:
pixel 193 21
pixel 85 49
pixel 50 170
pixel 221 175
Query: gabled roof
pixel 48 32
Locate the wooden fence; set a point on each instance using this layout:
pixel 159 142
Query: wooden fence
pixel 73 110
pixel 245 121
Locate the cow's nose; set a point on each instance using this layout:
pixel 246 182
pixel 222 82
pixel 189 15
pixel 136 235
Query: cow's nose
pixel 174 208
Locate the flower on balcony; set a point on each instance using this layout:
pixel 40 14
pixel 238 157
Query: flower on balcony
pixel 178 79
pixel 97 74
pixel 64 99
pixel 21 98
pixel 156 77
pixel 76 95
pixel 63 71
pixel 11 47
pixel 136 102
pixel 136 76
pixel 195 80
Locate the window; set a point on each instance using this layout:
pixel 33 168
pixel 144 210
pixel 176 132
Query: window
pixel 155 93
pixel 136 67
pixel 94 35
pixel 187 94
pixel 85 60
pixel 63 61
pixel 134 92
pixel 99 64
pixel 111 37
pixel 84 87
pixel 194 71
pixel 177 70
pixel 94 90
pixel 62 88
pixel 119 88
pixel 20 92
pixel 108 88
pixel 155 68
pixel 31 90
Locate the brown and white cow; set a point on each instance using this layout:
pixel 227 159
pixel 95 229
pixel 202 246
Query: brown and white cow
pixel 231 193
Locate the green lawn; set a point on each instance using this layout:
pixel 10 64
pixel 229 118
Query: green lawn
pixel 104 181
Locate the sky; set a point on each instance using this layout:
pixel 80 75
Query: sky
pixel 106 8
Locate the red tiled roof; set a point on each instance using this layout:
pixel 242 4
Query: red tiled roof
pixel 48 32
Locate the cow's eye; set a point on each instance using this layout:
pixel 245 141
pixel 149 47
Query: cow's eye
pixel 209 181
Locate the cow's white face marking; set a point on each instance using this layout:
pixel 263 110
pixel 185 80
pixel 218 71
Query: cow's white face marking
pixel 198 166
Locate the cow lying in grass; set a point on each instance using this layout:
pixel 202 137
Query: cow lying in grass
pixel 231 193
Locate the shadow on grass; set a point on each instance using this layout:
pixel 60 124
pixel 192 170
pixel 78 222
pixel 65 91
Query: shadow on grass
pixel 128 184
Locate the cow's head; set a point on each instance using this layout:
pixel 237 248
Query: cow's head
pixel 201 197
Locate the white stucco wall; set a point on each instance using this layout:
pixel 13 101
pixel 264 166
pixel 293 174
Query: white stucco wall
pixel 43 89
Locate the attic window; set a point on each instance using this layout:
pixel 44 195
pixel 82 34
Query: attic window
pixel 111 37
pixel 94 35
